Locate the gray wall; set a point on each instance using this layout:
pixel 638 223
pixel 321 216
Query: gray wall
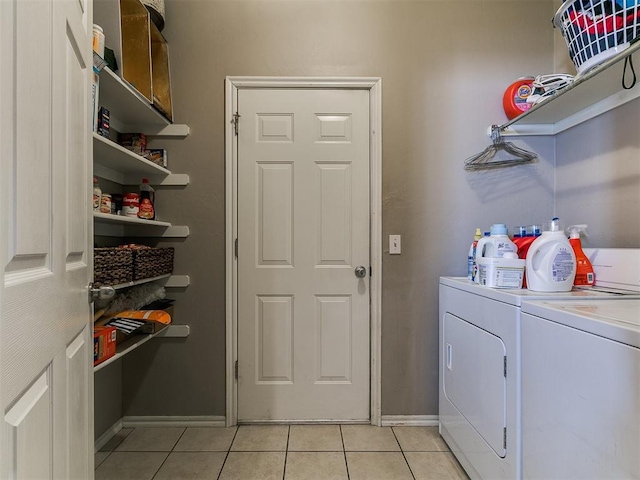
pixel 598 177
pixel 444 65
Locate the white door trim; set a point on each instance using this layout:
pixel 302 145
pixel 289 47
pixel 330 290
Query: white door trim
pixel 232 85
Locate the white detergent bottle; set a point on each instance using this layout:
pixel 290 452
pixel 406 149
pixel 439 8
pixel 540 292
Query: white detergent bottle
pixel 551 262
pixel 498 243
pixel 479 248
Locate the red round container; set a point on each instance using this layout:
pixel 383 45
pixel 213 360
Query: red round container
pixel 515 96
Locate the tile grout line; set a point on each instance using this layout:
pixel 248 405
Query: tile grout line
pixel 286 453
pixel 228 452
pixel 403 455
pixel 168 454
pixel 344 453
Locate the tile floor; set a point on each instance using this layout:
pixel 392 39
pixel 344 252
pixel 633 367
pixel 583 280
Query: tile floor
pixel 283 452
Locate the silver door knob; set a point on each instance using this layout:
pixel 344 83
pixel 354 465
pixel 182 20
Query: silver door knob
pixel 361 271
pixel 105 292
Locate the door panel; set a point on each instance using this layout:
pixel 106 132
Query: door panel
pixel 30 431
pixel 303 226
pixel 474 379
pixel 45 369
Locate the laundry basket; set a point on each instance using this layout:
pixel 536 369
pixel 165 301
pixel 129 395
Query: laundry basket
pixel 596 30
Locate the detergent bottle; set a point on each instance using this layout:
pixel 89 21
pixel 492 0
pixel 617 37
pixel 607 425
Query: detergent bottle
pixel 584 270
pixel 551 262
pixel 479 248
pixel 498 243
pixel 471 257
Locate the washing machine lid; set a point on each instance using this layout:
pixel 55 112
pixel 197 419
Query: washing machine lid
pixel 614 318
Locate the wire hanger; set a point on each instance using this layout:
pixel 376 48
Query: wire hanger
pixel 487 158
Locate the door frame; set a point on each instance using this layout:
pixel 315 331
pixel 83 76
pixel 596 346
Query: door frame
pixel 374 86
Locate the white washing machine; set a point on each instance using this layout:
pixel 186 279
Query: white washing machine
pixel 581 389
pixel 480 390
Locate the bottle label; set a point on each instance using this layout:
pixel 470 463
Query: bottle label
pixel 96 201
pixel 146 209
pixel 563 266
pixel 504 247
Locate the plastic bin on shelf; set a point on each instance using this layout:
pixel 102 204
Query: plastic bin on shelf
pixel 596 30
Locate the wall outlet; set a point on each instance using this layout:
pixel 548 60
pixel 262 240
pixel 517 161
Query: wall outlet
pixel 394 244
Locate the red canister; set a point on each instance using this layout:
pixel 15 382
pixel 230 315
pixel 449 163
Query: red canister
pixel 515 96
pixel 130 204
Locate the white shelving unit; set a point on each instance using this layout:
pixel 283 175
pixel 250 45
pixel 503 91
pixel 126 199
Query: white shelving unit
pixel 131 112
pixel 592 94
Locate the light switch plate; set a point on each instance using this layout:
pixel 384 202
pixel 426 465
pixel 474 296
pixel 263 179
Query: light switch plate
pixel 394 245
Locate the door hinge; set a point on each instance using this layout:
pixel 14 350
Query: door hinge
pixel 505 366
pixel 235 121
pixel 504 442
pixel 235 247
pixel 236 370
pixel 371 271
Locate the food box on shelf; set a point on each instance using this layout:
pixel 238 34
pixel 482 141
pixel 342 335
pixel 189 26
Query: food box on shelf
pixel 136 142
pixel 104 343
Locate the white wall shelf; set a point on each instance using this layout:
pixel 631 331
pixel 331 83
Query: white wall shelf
pixel 109 225
pixel 170 281
pixel 131 112
pixel 137 340
pixel 122 166
pixel 592 94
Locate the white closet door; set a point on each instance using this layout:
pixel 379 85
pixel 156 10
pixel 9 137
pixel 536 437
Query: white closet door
pixel 303 228
pixel 46 429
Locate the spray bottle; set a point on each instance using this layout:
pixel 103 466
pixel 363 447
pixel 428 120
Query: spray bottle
pixel 584 269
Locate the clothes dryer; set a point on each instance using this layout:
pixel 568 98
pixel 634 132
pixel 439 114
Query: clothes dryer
pixel 480 363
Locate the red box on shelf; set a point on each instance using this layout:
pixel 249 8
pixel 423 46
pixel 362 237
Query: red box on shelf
pixel 104 344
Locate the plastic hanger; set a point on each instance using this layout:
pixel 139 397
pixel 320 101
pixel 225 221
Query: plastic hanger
pixel 489 158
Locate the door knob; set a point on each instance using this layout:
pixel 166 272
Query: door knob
pixel 361 271
pixel 104 292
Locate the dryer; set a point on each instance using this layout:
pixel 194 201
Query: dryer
pixel 581 389
pixel 480 363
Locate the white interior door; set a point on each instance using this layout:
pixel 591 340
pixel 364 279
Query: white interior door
pixel 303 228
pixel 46 429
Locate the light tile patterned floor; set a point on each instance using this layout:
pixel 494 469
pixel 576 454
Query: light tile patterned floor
pixel 278 452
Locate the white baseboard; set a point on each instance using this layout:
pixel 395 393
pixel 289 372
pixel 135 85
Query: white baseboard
pixel 409 420
pixel 174 421
pixel 103 439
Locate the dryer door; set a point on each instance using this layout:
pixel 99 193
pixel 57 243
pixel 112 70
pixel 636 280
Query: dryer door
pixel 475 381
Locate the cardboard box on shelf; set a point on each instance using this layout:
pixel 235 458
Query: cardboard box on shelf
pixel 136 142
pixel 104 343
pixel 131 323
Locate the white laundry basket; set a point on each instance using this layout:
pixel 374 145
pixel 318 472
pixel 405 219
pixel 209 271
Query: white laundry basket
pixel 596 30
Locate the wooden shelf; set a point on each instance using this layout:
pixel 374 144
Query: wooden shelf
pixel 130 111
pixel 592 94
